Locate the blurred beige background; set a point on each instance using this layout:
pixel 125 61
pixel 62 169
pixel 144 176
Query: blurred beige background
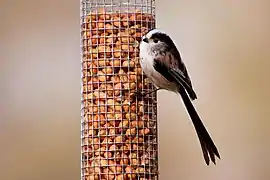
pixel 226 46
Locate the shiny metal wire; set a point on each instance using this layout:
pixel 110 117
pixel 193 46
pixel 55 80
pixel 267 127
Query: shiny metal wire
pixel 118 129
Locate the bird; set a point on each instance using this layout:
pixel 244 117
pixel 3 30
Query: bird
pixel 162 64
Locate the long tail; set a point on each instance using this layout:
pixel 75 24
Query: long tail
pixel 207 144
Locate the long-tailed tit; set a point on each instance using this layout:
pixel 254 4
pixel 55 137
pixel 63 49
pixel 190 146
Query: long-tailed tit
pixel 162 64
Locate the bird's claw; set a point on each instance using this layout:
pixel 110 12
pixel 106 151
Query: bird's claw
pixel 137 94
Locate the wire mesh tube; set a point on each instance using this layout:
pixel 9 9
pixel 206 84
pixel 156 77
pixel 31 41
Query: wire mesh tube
pixel 119 129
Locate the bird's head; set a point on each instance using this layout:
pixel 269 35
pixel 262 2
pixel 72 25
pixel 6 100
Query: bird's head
pixel 156 39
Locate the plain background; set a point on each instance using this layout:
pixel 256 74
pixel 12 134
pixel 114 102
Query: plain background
pixel 225 45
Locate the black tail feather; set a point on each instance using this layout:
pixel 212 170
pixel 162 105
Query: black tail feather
pixel 207 144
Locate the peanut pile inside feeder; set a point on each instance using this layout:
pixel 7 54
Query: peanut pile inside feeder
pixel 119 131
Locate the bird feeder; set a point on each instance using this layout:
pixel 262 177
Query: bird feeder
pixel 118 127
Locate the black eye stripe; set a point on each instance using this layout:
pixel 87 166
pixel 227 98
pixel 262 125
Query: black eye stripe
pixel 162 37
pixel 167 42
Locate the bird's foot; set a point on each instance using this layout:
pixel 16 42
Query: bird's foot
pixel 137 94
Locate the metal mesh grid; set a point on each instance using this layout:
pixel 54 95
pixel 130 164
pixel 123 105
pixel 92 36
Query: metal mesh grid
pixel 119 130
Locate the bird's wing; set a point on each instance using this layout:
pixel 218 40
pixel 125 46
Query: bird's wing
pixel 181 79
pixel 166 65
pixel 181 70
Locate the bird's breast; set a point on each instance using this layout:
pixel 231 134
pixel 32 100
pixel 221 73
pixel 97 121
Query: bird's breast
pixel 147 64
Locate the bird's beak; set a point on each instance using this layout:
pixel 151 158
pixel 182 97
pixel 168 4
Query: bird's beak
pixel 145 39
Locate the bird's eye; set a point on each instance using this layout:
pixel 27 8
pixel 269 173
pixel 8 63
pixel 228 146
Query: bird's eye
pixel 155 40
